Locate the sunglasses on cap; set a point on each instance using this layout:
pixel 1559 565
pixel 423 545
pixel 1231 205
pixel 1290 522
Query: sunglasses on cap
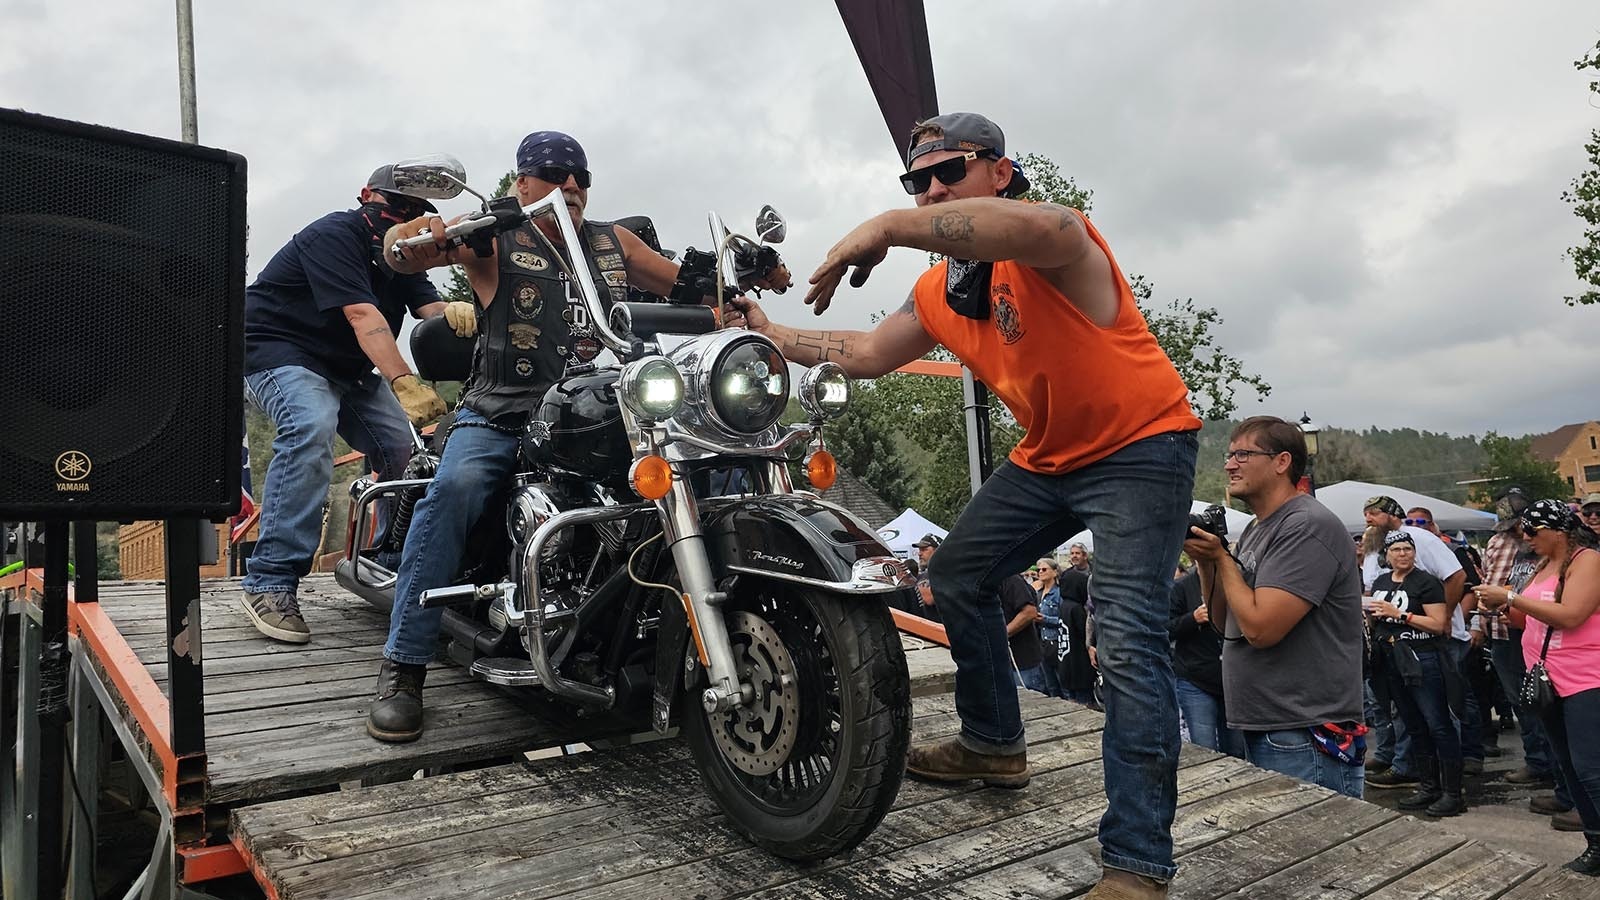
pixel 949 172
pixel 1420 523
pixel 558 175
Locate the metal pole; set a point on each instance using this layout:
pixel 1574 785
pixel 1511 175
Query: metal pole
pixel 52 709
pixel 184 674
pixel 86 562
pixel 191 126
pixel 975 406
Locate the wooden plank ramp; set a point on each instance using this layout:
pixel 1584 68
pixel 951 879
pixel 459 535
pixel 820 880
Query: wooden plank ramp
pixel 284 719
pixel 633 822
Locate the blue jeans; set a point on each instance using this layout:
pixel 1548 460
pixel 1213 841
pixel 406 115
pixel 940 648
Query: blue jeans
pixel 1390 742
pixel 1573 724
pixel 1470 724
pixel 309 410
pixel 476 462
pixel 1136 502
pixel 1052 678
pixel 1426 710
pixel 1033 679
pixel 1207 720
pixel 1293 753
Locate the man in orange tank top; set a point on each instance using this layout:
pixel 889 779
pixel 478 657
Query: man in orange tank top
pixel 1031 299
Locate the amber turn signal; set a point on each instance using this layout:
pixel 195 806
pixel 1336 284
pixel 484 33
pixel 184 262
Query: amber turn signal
pixel 651 477
pixel 822 470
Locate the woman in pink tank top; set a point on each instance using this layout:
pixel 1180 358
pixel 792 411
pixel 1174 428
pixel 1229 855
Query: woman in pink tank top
pixel 1561 600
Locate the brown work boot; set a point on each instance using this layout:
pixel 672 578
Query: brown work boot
pixel 1567 821
pixel 950 760
pixel 1115 884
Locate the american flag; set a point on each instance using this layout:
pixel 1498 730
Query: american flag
pixel 240 524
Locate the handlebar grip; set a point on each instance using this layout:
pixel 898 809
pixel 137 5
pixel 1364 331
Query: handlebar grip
pixel 454 236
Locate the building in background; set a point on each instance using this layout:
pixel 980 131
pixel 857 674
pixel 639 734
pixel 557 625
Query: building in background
pixel 1575 450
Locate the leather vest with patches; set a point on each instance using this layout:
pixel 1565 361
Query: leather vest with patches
pixel 537 323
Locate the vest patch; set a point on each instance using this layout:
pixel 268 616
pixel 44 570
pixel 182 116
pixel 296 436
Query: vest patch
pixel 533 262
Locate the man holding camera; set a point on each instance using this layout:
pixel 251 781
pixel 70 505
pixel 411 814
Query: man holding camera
pixel 1288 606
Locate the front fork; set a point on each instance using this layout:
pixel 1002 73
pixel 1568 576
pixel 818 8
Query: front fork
pixel 703 603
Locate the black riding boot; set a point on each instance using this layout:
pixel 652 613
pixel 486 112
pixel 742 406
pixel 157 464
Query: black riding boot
pixel 397 712
pixel 1589 862
pixel 1427 791
pixel 1451 802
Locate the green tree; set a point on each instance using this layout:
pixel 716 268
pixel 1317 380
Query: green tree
pixel 864 444
pixel 1584 195
pixel 1510 462
pixel 1344 456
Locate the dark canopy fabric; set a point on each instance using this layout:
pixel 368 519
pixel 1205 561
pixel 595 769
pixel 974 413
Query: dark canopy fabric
pixel 891 40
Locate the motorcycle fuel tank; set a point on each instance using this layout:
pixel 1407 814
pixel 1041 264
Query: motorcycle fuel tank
pixel 578 429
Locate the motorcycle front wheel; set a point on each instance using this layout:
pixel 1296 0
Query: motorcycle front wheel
pixel 810 766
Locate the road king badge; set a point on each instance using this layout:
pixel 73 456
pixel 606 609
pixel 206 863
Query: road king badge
pixel 533 262
pixel 1007 320
pixel 527 301
pixel 524 336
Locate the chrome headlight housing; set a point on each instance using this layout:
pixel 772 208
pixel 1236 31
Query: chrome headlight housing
pixel 737 384
pixel 825 391
pixel 652 388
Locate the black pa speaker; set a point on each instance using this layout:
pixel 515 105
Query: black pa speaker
pixel 121 324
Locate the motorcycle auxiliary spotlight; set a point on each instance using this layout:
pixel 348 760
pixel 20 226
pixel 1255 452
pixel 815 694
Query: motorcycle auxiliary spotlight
pixel 825 391
pixel 652 388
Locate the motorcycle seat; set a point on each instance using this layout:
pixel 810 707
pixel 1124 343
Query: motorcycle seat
pixel 440 354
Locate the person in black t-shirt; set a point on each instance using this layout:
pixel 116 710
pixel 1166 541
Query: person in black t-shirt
pixel 321 315
pixel 1408 616
pixel 1197 663
pixel 1021 606
pixel 1073 668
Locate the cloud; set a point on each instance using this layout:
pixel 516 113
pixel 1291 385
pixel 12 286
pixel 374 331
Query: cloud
pixel 1364 189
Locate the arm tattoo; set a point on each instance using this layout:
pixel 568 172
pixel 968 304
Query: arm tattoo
pixel 373 332
pixel 953 226
pixel 909 307
pixel 823 343
pixel 1069 220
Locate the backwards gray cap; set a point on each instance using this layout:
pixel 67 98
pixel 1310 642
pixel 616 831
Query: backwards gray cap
pixel 966 132
pixel 383 180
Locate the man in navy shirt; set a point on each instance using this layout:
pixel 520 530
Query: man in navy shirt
pixel 322 314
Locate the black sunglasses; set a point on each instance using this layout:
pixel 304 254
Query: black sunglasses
pixel 559 174
pixel 403 207
pixel 949 172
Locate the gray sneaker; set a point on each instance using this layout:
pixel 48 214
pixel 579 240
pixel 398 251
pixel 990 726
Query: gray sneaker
pixel 276 614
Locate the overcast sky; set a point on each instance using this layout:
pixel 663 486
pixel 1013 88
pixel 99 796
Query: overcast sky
pixel 1368 192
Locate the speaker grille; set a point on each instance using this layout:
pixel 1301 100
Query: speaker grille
pixel 123 279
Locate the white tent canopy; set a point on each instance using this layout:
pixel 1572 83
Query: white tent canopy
pixel 906 529
pixel 1236 522
pixel 1348 499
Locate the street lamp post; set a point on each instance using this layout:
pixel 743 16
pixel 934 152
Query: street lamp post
pixel 1310 429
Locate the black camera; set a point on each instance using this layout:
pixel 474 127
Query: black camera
pixel 1213 520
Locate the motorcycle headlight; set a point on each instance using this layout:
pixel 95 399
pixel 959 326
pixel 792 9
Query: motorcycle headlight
pixel 652 388
pixel 825 391
pixel 749 386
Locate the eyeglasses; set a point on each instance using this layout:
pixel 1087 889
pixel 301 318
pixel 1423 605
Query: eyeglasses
pixel 1531 530
pixel 949 172
pixel 1420 523
pixel 1591 512
pixel 560 174
pixel 1239 456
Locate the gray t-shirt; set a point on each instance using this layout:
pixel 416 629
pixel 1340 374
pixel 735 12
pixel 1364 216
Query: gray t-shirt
pixel 1313 675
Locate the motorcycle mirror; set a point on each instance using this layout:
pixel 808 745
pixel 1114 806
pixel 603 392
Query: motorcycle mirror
pixel 437 176
pixel 770 226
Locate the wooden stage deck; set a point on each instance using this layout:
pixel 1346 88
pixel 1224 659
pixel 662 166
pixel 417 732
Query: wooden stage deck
pixel 284 727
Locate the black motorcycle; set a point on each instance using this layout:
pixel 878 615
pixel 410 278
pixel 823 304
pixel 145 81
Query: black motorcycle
pixel 654 558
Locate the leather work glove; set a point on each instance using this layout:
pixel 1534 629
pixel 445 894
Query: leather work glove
pixel 462 317
pixel 421 403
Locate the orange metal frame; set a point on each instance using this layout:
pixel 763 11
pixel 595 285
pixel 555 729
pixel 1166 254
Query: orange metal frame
pixel 920 627
pixel 149 708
